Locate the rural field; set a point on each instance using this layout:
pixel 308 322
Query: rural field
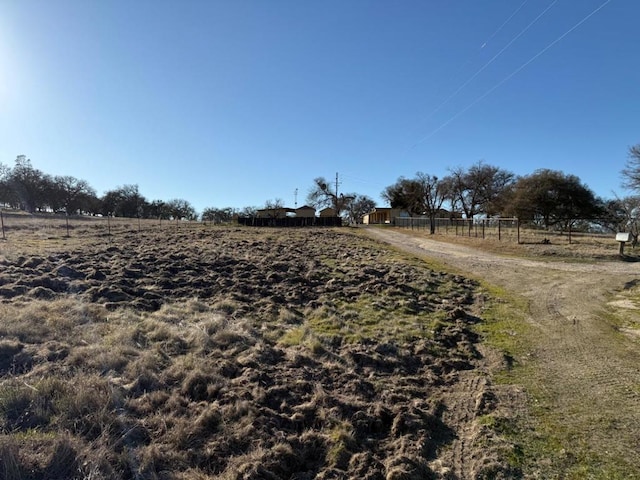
pixel 241 353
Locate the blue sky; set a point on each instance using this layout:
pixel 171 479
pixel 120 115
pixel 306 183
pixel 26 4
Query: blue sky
pixel 233 103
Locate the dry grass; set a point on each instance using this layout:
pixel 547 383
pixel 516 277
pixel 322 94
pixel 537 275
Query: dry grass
pixel 231 353
pixel 582 247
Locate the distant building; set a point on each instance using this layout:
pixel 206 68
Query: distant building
pixel 384 215
pixel 302 212
pixel 328 212
pixel 305 211
pixel 279 212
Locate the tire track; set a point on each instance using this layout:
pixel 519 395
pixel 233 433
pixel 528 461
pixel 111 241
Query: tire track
pixel 588 372
pixel 465 403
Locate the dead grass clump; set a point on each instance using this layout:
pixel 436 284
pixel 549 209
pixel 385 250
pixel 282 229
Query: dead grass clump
pixel 146 362
pixel 39 320
pixel 63 463
pixel 159 461
pixel 144 383
pixel 230 338
pixel 88 405
pixel 101 359
pixel 226 306
pixel 147 404
pixel 23 407
pixel 9 349
pixel 10 465
pixel 287 316
pixel 26 323
pixel 199 386
pixel 187 434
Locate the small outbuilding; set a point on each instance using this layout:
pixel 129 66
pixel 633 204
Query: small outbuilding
pixel 328 212
pixel 383 215
pixel 305 212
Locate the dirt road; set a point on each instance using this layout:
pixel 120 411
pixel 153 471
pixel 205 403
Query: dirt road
pixel 586 371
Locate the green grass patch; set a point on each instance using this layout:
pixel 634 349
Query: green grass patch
pixel 369 319
pixel 544 442
pixel 504 324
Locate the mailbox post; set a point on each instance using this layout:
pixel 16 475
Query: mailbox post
pixel 623 237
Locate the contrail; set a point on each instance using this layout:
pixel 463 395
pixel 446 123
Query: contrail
pixel 493 58
pixel 512 74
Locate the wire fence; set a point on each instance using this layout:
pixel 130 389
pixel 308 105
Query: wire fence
pixel 52 225
pixel 500 229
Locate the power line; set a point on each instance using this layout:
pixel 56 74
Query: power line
pixel 484 44
pixel 495 57
pixel 512 74
pixel 468 61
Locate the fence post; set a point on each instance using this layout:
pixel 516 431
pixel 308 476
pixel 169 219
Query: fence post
pixel 499 230
pixel 518 225
pixel 2 221
pixel 569 233
pixel 67 219
pixel 484 221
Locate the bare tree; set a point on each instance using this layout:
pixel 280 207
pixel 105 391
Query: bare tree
pixel 434 193
pixel 631 171
pixel 358 208
pixel 423 195
pixel 479 189
pixel 275 208
pixel 622 215
pixel 321 195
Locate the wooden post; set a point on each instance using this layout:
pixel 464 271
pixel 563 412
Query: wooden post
pixel 569 233
pixel 67 219
pixel 2 221
pixel 499 230
pixel 518 225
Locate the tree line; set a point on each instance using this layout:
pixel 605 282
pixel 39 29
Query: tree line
pixel 24 187
pixel 546 198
